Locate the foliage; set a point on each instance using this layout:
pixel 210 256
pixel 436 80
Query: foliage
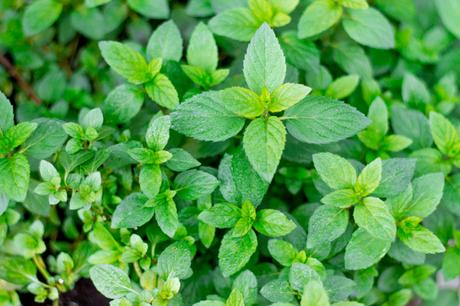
pixel 246 152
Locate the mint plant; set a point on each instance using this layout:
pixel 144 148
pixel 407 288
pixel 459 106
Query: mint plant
pixel 229 153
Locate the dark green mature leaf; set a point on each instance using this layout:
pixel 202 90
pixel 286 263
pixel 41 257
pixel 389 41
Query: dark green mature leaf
pixel 14 177
pixel 396 176
pixel 205 117
pixel 175 260
pixel 46 139
pixel 166 213
pixel 193 184
pixel 370 28
pixel 235 252
pixel 264 63
pixel 263 142
pixel 322 120
pixel 6 113
pixel 157 9
pixel 131 212
pixel 123 103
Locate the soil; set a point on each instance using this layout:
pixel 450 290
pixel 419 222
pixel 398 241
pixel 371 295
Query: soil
pixel 84 294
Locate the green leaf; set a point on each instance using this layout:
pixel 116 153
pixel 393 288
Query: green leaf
pixel 450 267
pixel 396 176
pixel 193 184
pixel 223 215
pixel 396 143
pixel 131 212
pixel 301 53
pixel 156 9
pixel 412 124
pixel 369 178
pixel 370 28
pixel 47 138
pixel 326 224
pixel 176 259
pixel 364 250
pixel 427 192
pixel 343 86
pixel 322 120
pixel 248 183
pixel 342 198
pixel 206 117
pixel 126 61
pixel 264 63
pixel 202 49
pixel 286 96
pixel 123 103
pixel 352 59
pixel 422 240
pixel 246 283
pixel 278 291
pixel 415 91
pixel 375 217
pixel 162 91
pixel 17 270
pixel 157 134
pixel 6 113
pixel 314 294
pixel 166 213
pixel 14 177
pixel 449 11
pixel 237 23
pixel 166 42
pixel 354 4
pixel 150 180
pixel 318 17
pixel 272 223
pixel 282 251
pixel 40 15
pixel 235 298
pixel 19 133
pixel 301 274
pixel 242 102
pixel 235 252
pixel 444 134
pixel 111 281
pixel 263 142
pixel 334 170
pixel 181 160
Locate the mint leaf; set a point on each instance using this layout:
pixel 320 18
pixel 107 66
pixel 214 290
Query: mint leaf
pixel 282 251
pixel 123 103
pixel 423 241
pixel 375 217
pixel 162 91
pixel 237 23
pixel 111 281
pixel 166 213
pixel 165 42
pixel 6 113
pixel 175 260
pixel 449 11
pixel 131 212
pixel 202 49
pixel 157 134
pixel 370 28
pixel 343 86
pixel 318 17
pixel 15 176
pixel 334 170
pixel 273 223
pixel 235 252
pixel 326 224
pixel 243 102
pixel 223 215
pixel 287 95
pixel 206 117
pixel 193 184
pixel 263 142
pixel 322 120
pixel 157 9
pixel 150 180
pixel 445 135
pixel 40 15
pixel 369 178
pixel 126 61
pixel 314 294
pixel 264 63
pixel 364 250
